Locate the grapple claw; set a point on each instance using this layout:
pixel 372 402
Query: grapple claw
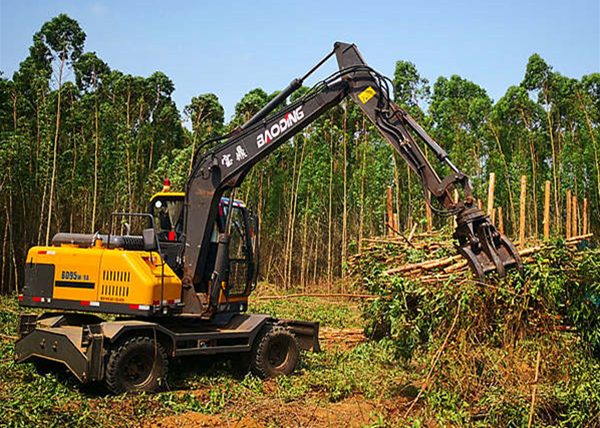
pixel 485 249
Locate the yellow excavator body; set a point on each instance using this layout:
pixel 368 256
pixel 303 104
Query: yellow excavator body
pixel 100 279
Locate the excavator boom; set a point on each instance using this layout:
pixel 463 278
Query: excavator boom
pixel 226 165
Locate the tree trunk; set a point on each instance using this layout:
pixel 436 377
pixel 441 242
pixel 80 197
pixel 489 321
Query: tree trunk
pixel 44 193
pixel 95 197
pixel 361 221
pixel 128 151
pixel 398 186
pixel 11 237
pixel 510 193
pixel 73 170
pixel 56 133
pixel 330 216
pixel 3 288
pixel 288 246
pixel 345 200
pixel 294 209
pixel 304 241
pixel 554 173
pixel 316 260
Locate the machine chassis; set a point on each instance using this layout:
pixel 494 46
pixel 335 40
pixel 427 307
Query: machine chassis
pixel 82 341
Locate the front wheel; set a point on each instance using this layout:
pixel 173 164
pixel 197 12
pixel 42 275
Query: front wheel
pixel 136 364
pixel 275 352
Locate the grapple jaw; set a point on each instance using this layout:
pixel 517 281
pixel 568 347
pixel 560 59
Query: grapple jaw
pixel 486 250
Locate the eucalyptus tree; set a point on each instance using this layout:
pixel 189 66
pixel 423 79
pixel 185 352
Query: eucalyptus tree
pixel 90 71
pixel 65 39
pixel 565 111
pixel 29 89
pixel 248 106
pixel 459 110
pixel 6 108
pixel 23 158
pixel 412 90
pixel 539 79
pixel 164 121
pixel 515 147
pixel 413 93
pixel 207 117
pixel 587 94
pixel 126 112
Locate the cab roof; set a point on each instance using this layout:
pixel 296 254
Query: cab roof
pixel 173 195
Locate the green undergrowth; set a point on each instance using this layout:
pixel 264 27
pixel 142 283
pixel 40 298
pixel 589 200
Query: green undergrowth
pixel 329 313
pixel 205 385
pixel 481 341
pixel 468 351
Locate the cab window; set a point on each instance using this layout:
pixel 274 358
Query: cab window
pixel 169 219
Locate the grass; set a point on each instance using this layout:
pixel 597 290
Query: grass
pixel 371 384
pixel 329 313
pixel 205 385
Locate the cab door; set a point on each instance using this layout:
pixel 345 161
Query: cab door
pixel 241 261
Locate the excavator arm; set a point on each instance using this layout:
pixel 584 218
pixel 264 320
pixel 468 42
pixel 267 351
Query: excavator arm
pixel 226 165
pixel 484 248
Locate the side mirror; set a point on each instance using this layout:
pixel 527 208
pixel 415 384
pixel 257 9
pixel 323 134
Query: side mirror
pixel 149 236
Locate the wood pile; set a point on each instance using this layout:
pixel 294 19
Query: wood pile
pixel 432 258
pixel 348 336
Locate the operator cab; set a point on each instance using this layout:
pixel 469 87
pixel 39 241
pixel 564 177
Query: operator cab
pixel 167 209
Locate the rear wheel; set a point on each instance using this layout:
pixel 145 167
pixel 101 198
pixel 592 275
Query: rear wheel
pixel 136 364
pixel 275 352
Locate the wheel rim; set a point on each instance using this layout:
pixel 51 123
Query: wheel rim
pixel 136 370
pixel 278 353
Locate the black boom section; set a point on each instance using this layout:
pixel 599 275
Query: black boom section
pixel 225 166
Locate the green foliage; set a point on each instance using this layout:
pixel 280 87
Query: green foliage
pixel 409 85
pixel 206 114
pixel 561 286
pixel 64 36
pixel 89 71
pixel 249 105
pixel 486 324
pixel 538 73
pixel 328 314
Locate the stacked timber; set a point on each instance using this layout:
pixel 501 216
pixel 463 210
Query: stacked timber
pixel 431 257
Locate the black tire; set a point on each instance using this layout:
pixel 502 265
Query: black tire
pixel 275 352
pixel 136 364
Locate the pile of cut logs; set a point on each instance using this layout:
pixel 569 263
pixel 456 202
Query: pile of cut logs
pixel 439 265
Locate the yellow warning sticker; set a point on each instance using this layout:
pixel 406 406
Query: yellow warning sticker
pixel 366 95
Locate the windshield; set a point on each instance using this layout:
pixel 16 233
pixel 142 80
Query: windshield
pixel 169 221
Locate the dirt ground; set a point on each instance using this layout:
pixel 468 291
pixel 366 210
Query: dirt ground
pixel 315 411
pixel 352 412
